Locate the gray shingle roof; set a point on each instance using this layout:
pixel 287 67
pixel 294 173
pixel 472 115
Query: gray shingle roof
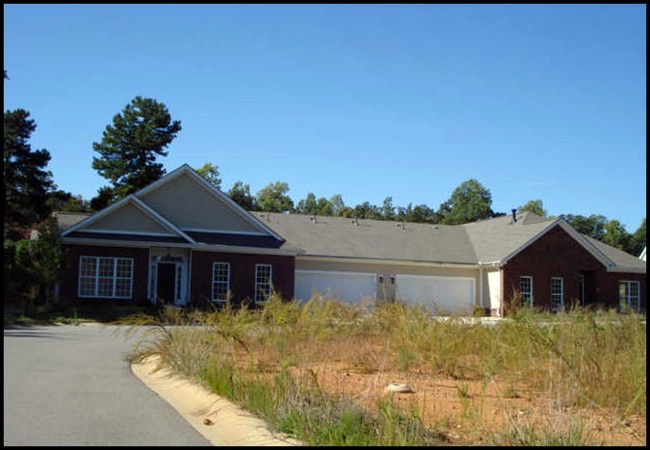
pixel 494 239
pixel 624 261
pixel 483 241
pixel 67 219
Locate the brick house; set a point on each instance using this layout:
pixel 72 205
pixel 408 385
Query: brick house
pixel 182 241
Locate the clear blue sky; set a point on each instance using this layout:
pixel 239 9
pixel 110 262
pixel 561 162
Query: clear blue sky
pixel 367 101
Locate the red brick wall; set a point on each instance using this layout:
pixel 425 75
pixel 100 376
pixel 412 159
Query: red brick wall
pixel 70 282
pixel 242 274
pixel 557 254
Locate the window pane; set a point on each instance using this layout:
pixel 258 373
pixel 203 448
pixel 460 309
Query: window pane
pixel 220 281
pixel 86 287
pixel 122 288
pixel 105 277
pixel 262 282
pixel 526 291
pixel 124 268
pixel 106 267
pixel 88 266
pixel 105 287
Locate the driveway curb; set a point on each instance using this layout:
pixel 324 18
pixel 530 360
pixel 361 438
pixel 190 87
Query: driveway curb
pixel 217 419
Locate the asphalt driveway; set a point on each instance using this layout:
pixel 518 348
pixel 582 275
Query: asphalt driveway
pixel 70 385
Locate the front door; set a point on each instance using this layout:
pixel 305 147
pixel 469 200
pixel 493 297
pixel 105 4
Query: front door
pixel 166 285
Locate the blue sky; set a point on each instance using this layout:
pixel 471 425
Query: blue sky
pixel 367 101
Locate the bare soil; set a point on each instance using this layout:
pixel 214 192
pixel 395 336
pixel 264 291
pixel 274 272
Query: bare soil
pixel 474 412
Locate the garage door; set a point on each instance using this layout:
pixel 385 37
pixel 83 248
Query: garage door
pixel 349 287
pixel 441 295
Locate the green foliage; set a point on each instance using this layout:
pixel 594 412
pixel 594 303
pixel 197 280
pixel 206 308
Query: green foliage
pixel 33 267
pixel 616 235
pixel 611 232
pixel 388 209
pixel 26 180
pixel 638 240
pixel 240 193
pixel 367 211
pixel 311 205
pixel 419 214
pixel 210 172
pixel 338 207
pixel 534 206
pixel 105 196
pixel 468 203
pixel 274 198
pixel 593 226
pixel 65 201
pixel 129 147
pixel 307 206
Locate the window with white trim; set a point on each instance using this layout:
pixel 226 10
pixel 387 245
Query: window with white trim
pixel 263 282
pixel 629 296
pixel 526 291
pixel 106 277
pixel 220 281
pixel 557 294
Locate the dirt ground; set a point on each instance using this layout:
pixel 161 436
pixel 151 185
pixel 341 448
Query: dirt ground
pixel 473 412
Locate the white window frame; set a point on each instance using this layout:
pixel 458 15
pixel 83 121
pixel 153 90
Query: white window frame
pixel 221 282
pixel 557 298
pixel 625 298
pixel 526 296
pixel 266 285
pixel 96 277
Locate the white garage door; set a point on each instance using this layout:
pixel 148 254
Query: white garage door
pixel 441 295
pixel 349 287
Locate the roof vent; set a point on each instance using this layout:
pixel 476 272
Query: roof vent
pixel 514 216
pixel 313 219
pixel 401 225
pixel 355 221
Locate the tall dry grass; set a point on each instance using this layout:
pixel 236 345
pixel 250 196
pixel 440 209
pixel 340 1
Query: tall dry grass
pixel 264 359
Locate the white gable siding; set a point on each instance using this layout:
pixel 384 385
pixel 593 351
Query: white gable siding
pixel 128 218
pixel 188 205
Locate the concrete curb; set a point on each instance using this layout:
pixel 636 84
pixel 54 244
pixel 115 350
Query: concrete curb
pixel 217 419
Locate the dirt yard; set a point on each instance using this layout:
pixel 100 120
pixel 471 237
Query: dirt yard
pixel 473 412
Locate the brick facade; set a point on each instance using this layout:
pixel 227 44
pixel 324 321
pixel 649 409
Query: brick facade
pixel 242 275
pixel 557 254
pixel 68 289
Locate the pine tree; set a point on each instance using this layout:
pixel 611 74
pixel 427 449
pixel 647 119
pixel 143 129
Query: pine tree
pixel 129 146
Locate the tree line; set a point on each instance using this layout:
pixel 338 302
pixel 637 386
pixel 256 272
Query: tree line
pixel 127 157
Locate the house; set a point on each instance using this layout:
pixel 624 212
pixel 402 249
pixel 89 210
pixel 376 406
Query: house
pixel 182 241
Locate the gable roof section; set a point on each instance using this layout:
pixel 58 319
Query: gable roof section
pixel 495 239
pixel 622 261
pixel 500 239
pixel 194 205
pixel 107 223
